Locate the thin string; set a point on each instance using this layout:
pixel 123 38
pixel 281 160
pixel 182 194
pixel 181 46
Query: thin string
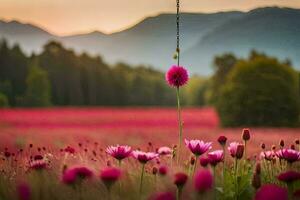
pixel 178 29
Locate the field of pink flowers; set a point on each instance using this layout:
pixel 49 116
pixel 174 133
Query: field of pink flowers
pixel 72 153
pixel 134 126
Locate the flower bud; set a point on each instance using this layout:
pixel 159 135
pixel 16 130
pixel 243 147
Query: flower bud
pixel 281 143
pixel 222 140
pixel 263 146
pixel 256 181
pixel 240 151
pixel 246 134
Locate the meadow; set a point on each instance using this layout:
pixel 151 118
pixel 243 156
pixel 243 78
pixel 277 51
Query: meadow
pixel 58 127
pixel 40 148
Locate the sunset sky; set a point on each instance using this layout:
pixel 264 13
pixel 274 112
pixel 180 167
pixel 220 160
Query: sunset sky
pixel 64 17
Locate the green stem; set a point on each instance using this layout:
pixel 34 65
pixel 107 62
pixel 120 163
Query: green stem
pixel 224 164
pixel 142 177
pixel 195 165
pixel 178 193
pixel 120 184
pixel 179 124
pixel 245 156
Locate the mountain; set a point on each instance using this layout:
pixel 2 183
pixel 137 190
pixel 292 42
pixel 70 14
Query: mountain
pixel 275 31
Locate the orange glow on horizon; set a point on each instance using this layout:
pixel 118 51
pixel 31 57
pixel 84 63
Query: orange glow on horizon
pixel 66 17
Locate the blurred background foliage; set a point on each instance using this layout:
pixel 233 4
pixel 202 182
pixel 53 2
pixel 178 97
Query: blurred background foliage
pixel 256 91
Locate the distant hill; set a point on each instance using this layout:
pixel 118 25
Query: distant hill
pixel 275 31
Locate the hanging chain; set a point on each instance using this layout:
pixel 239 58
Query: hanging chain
pixel 177 33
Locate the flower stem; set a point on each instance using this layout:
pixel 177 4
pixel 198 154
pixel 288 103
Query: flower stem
pixel 141 182
pixel 178 193
pixel 195 165
pixel 179 124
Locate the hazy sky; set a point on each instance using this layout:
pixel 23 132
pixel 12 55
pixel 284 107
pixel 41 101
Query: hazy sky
pixel 74 16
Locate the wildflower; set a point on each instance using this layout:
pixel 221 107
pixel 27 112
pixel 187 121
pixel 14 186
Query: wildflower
pixel 109 176
pixel 290 155
pixel 76 174
pixel 180 180
pixel 192 160
pixel 198 147
pixel 144 157
pixel 236 150
pixel 204 161
pixel 203 181
pixel 154 170
pixel 293 146
pixel 24 192
pixel 164 151
pixel 177 76
pixel 289 176
pixel 38 165
pixel 163 170
pixel 267 155
pixel 263 146
pixel 297 141
pixel 222 140
pixel 215 157
pixel 271 191
pixel 246 134
pixel 281 143
pixel 163 196
pixel 119 152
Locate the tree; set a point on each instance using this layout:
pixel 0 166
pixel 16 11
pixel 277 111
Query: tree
pixel 38 91
pixel 260 91
pixel 222 66
pixel 3 101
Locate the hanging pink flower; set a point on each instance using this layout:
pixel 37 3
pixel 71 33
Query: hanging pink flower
pixel 203 181
pixel 144 157
pixel 271 191
pixel 177 76
pixel 119 152
pixel 198 147
pixel 215 157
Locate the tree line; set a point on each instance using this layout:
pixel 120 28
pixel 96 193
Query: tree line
pixel 60 77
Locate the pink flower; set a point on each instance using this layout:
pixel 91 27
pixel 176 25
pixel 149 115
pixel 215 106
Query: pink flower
pixel 215 157
pixel 38 165
pixel 144 157
pixel 267 155
pixel 119 152
pixel 164 151
pixel 198 147
pixel 246 134
pixel 271 191
pixel 290 155
pixel 204 161
pixel 289 176
pixel 75 174
pixel 110 175
pixel 177 76
pixel 222 140
pixel 203 180
pixel 180 179
pixel 23 191
pixel 163 170
pixel 236 150
pixel 163 196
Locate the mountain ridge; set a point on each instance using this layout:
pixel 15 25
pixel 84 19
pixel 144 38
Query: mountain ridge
pixel 152 41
